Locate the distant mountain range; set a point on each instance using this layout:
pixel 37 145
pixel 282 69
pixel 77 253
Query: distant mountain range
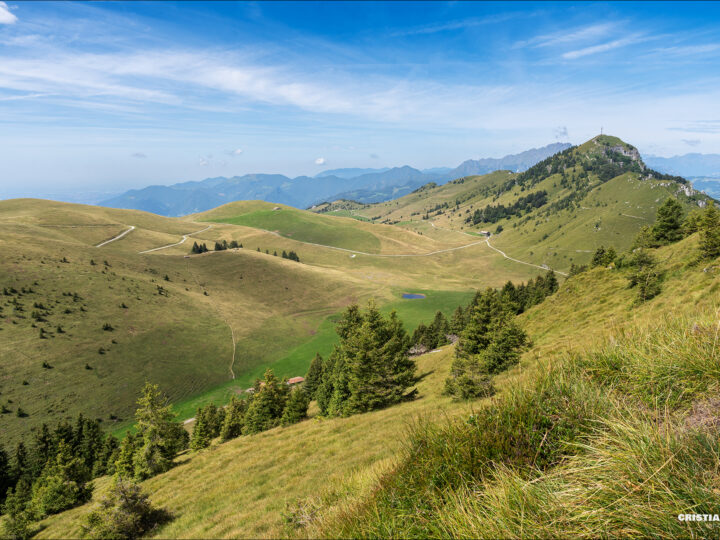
pixel 686 165
pixel 703 170
pixel 362 185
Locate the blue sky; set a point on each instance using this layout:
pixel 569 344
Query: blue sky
pixel 109 96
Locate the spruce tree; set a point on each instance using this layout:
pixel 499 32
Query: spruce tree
pixel 267 406
pixel 296 407
pixel 710 232
pixel 668 225
pixel 313 378
pixel 124 464
pixel 18 517
pixel 234 419
pixel 6 479
pixel 202 431
pixel 379 371
pixel 159 435
pixel 62 484
pixel 124 512
pixel 457 323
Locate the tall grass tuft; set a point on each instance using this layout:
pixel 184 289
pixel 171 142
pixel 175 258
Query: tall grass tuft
pixel 600 445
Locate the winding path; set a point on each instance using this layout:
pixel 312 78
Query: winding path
pixel 118 237
pixel 185 237
pixel 487 240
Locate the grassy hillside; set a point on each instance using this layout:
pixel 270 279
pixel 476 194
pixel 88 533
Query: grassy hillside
pixel 599 193
pixel 216 322
pixel 606 427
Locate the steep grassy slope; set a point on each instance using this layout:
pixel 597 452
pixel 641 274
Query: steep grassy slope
pixel 248 481
pixel 598 363
pixel 610 428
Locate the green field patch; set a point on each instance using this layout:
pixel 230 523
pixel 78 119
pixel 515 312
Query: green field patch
pixel 307 227
pixel 297 360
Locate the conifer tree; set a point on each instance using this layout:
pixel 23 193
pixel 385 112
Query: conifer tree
pixel 668 225
pixel 43 449
pixel 458 321
pixel 202 431
pixel 710 232
pixel 62 484
pixel 124 464
pixel 124 512
pixel 18 517
pixel 21 463
pixel 267 406
pixel 313 378
pixel 370 367
pixel 160 439
pixel 6 479
pixel 234 419
pixel 296 407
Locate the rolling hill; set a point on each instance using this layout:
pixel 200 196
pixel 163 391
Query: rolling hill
pixel 201 326
pixel 332 477
pixel 555 214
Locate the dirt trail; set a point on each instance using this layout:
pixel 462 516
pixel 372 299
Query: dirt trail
pixel 118 237
pixel 185 237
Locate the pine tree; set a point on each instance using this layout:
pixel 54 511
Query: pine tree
pixel 234 419
pixel 124 512
pixel 267 406
pixel 6 479
pixel 124 464
pixel 458 321
pixel 159 435
pixel 296 407
pixel 18 517
pixel 313 378
pixel 379 371
pixel 62 484
pixel 668 225
pixel 598 257
pixel 710 232
pixel 202 431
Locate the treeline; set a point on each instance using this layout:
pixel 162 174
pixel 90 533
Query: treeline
pixel 489 339
pixel 369 369
pixel 55 472
pixel 234 244
pixel 271 403
pixel 494 213
pixel 671 225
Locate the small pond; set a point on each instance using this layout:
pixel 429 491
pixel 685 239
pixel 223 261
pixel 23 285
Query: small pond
pixel 411 296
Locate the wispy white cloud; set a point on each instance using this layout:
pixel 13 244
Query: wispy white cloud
pixel 691 142
pixel 237 152
pixel 604 47
pixel 5 16
pixel 320 161
pixel 564 37
pixel 139 155
pixel 458 24
pixel 688 50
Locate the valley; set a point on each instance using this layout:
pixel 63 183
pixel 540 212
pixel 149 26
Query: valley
pixel 98 301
